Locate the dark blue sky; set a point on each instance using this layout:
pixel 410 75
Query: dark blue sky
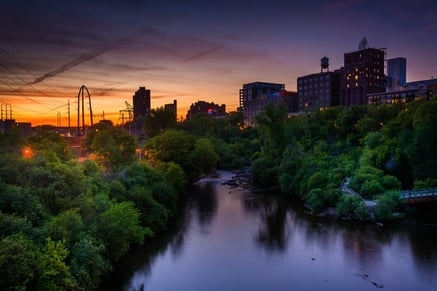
pixel 192 50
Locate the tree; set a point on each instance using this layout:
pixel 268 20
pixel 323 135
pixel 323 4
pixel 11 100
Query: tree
pixel 351 207
pixel 88 263
pixel 203 158
pixel 387 204
pixel 54 272
pixel 46 142
pixel 66 226
pixel 118 227
pixel 159 120
pixel 175 174
pixel 172 146
pixel 18 260
pixel 421 151
pixel 113 146
pixel 271 125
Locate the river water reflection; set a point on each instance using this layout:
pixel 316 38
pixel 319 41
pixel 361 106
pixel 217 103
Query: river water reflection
pixel 237 240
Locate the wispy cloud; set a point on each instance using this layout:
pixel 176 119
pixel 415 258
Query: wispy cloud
pixel 84 58
pixel 203 54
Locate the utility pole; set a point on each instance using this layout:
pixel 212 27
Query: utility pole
pixel 69 128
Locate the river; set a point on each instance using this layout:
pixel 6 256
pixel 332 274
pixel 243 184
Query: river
pixel 233 239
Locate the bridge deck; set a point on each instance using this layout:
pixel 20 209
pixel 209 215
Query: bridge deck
pixel 418 195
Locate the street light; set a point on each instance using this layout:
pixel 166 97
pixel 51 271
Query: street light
pixel 27 153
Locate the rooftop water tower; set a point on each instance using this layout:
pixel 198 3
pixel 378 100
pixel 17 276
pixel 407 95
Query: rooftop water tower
pixel 324 65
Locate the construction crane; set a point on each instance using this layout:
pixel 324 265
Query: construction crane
pixel 129 110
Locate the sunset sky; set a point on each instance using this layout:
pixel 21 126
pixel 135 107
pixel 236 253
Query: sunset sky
pixel 190 50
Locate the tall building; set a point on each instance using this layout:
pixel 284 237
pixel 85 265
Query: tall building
pixel 363 74
pixel 141 102
pixel 254 96
pixel 319 90
pixel 396 73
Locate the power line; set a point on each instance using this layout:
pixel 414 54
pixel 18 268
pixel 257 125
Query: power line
pixel 24 95
pixel 24 82
pixel 26 70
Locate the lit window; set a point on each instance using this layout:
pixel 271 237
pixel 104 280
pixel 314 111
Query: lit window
pixel 356 77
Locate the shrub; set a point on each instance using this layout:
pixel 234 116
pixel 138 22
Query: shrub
pixel 351 207
pixel 387 204
pixel 370 188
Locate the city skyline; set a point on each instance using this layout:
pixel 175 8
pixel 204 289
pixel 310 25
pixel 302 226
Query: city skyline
pixel 191 50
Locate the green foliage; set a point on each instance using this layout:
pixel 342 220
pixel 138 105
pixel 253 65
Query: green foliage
pixel 317 180
pixel 54 272
pixel 18 260
pixel 202 159
pixel 172 146
pixel 196 156
pixel 370 188
pixel 57 184
pixel 271 125
pixel 391 183
pixel 159 120
pixel 264 172
pixel 421 150
pixel 19 201
pixel 113 146
pixel 118 227
pixel 89 217
pixel 50 144
pixel 175 175
pixel 387 205
pixel 66 226
pixel 425 184
pixel 351 207
pixel 88 263
pixel 318 200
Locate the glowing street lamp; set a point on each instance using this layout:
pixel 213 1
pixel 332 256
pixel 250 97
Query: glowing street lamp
pixel 27 153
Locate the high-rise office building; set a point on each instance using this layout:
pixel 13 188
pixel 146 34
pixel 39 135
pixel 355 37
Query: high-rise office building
pixel 141 101
pixel 396 73
pixel 363 74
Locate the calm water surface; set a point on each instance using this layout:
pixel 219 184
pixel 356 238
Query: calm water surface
pixel 237 240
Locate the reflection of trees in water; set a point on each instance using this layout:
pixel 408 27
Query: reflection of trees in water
pixel 204 201
pixel 361 243
pixel 423 241
pixel 273 232
pixel 136 263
